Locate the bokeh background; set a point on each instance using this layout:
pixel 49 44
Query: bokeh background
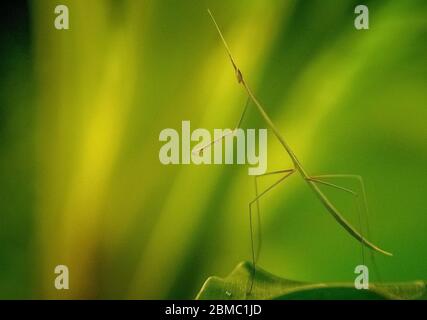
pixel 81 111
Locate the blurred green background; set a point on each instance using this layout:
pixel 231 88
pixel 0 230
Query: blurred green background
pixel 81 111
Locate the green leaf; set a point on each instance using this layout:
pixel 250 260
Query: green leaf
pixel 267 286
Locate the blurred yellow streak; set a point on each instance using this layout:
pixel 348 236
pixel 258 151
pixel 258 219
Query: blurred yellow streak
pixel 182 213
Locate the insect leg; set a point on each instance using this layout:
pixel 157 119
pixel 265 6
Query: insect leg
pixel 204 147
pixel 287 173
pixel 360 198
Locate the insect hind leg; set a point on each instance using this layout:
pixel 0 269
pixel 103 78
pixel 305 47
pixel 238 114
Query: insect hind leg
pixel 361 201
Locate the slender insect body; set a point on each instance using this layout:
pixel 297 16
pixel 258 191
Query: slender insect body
pixel 328 205
pixel 344 223
pixel 311 181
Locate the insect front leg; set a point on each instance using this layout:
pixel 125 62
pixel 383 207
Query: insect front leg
pixel 255 254
pixel 242 116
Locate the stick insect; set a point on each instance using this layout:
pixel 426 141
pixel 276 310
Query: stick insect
pixel 313 182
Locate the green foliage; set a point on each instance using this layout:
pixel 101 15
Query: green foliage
pixel 81 111
pixel 268 286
